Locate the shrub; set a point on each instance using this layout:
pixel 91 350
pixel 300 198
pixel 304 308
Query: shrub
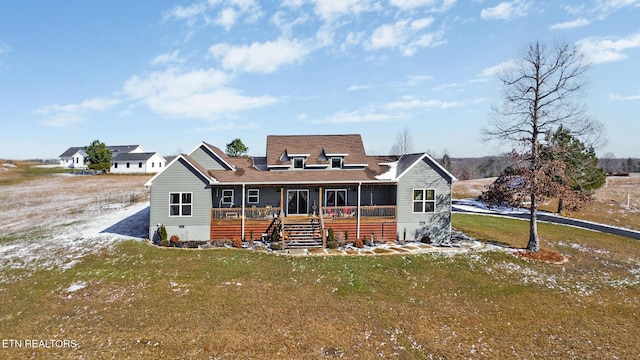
pixel 346 236
pixel 175 239
pixel 425 239
pixel 331 236
pixel 359 243
pixel 164 242
pixel 332 244
pixel 276 246
pixel 162 233
pixel 236 242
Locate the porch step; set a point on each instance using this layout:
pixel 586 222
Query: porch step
pixel 307 234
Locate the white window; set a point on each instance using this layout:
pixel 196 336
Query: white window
pixel 140 165
pixel 115 165
pixel 128 165
pixel 180 204
pixel 298 163
pixel 424 200
pixel 227 196
pixel 336 163
pixel 153 164
pixel 335 197
pixel 253 196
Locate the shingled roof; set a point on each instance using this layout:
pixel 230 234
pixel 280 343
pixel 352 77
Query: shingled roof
pixel 248 172
pixel 317 149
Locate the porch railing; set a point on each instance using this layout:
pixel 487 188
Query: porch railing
pixel 251 213
pixel 328 212
pixel 378 211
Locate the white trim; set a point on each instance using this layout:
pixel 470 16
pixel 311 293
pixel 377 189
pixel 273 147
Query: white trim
pixel 293 162
pixel 209 178
pixel 286 208
pixel 425 155
pixel 346 194
pixel 423 201
pixel 180 204
pixel 231 167
pixel 249 196
pixel 222 196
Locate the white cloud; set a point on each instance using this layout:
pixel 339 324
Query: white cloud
pixel 193 94
pixel 330 10
pixel 506 10
pixel 185 12
pixel 600 50
pixel 168 58
pixel 64 115
pixel 358 87
pixel 432 5
pixel 264 57
pixel 497 69
pixel 343 117
pixel 608 6
pixel 403 35
pixel 570 24
pixel 227 18
pixel 410 102
pixel 624 98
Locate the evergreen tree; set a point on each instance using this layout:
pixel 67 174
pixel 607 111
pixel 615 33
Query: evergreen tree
pixel 581 174
pixel 98 156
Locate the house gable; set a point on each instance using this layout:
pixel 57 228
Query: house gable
pixel 421 177
pixel 211 157
pixel 182 176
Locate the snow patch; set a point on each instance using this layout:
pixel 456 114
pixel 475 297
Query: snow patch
pixel 78 285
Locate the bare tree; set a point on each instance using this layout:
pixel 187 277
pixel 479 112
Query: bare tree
pixel 540 95
pixel 404 143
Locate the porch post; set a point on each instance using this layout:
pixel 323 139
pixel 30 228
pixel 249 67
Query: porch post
pixel 358 211
pixel 242 218
pixel 282 201
pixel 322 233
pixel 319 200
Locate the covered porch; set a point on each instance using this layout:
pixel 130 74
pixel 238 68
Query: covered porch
pixel 360 210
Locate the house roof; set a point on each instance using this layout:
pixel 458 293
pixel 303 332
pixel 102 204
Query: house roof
pixel 72 151
pixel 220 154
pixel 122 148
pixel 248 171
pixel 114 149
pixel 133 156
pixel 316 148
pixel 260 170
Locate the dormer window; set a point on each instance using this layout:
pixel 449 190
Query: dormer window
pixel 298 163
pixel 336 163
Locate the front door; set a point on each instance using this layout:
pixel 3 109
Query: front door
pixel 297 202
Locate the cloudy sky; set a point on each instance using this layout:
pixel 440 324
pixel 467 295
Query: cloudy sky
pixel 169 74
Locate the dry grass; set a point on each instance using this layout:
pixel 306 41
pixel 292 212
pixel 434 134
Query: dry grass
pixel 610 205
pixel 137 301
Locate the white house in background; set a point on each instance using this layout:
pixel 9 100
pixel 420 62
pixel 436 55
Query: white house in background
pixel 126 159
pixel 137 163
pixel 73 158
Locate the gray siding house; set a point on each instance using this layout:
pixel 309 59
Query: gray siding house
pixel 304 185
